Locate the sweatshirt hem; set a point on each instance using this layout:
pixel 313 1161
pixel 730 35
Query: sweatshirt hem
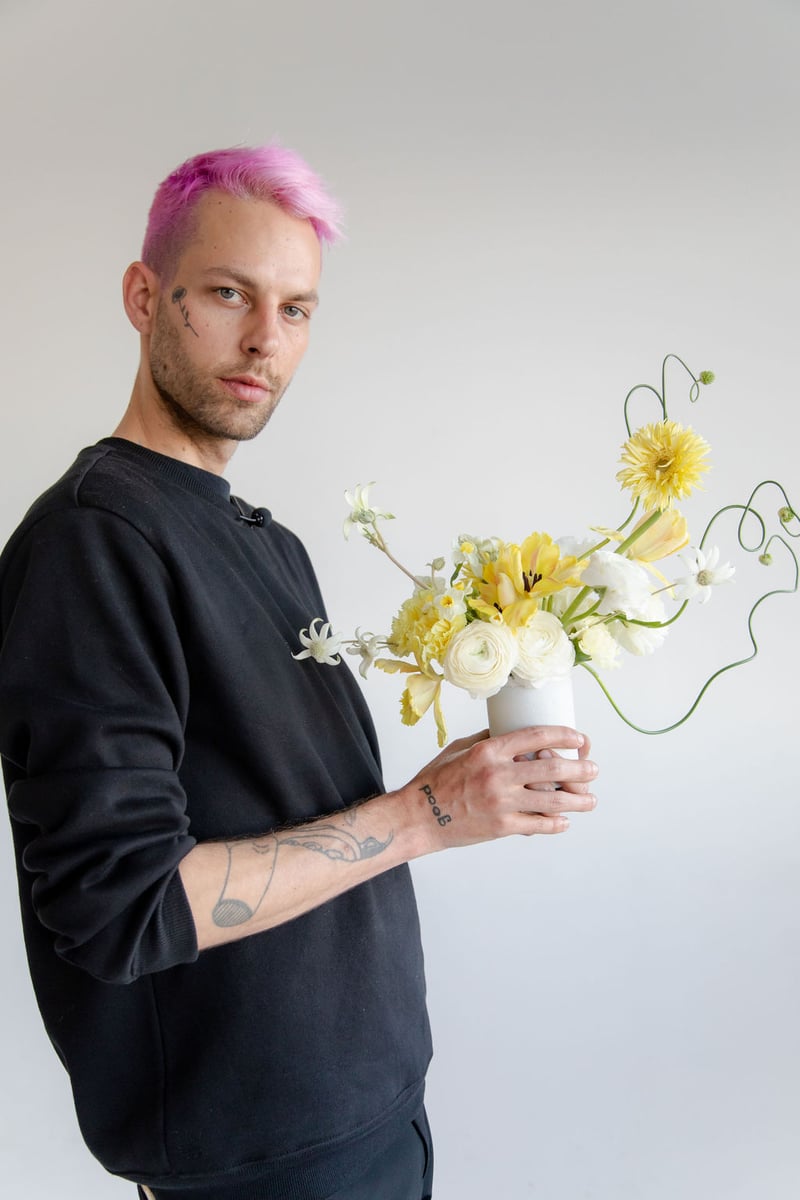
pixel 302 1175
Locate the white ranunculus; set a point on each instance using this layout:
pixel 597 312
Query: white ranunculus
pixel 544 651
pixel 480 658
pixel 627 587
pixel 638 639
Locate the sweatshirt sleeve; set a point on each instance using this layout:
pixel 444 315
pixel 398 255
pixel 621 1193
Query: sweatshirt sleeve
pixel 93 699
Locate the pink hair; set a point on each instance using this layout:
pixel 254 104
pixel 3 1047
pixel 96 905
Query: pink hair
pixel 252 172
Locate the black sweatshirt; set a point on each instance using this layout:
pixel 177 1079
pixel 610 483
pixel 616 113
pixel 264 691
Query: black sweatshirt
pixel 149 700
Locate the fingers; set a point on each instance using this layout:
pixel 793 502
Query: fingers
pixel 541 823
pixel 480 788
pixel 557 802
pixel 535 738
pixel 550 770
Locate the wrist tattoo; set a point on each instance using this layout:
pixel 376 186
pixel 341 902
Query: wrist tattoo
pixel 177 298
pixel 241 897
pixel 442 817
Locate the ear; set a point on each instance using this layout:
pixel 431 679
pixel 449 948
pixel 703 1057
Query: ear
pixel 140 292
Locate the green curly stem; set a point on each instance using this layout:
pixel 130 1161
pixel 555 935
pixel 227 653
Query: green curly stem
pixel 762 544
pixel 694 390
pixel 721 671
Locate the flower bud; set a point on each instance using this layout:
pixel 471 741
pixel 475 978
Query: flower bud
pixel 765 559
pixel 785 514
pixel 706 377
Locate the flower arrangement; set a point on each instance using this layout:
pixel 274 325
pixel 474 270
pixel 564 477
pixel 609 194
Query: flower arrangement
pixel 522 615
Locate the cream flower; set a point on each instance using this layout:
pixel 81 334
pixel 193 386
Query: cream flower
pixel 594 639
pixel 623 586
pixel 320 644
pixel 641 639
pixel 704 574
pixel 361 513
pixel 544 651
pixel 575 547
pixel 480 658
pixel 473 553
pixel 451 603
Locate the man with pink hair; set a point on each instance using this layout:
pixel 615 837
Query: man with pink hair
pixel 214 884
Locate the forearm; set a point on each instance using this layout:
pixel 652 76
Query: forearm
pixel 238 888
pixel 476 790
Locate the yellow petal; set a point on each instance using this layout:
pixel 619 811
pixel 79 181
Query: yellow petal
pixel 485 610
pixel 422 690
pixel 441 728
pixel 665 536
pixel 520 613
pixel 393 665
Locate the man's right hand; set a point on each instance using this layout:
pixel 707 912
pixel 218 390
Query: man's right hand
pixel 481 788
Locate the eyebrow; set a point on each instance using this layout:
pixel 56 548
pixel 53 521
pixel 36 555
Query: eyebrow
pixel 310 297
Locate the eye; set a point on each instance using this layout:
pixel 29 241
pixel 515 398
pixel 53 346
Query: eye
pixel 294 313
pixel 230 295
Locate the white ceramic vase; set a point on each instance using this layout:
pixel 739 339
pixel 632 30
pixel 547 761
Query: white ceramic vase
pixel 552 703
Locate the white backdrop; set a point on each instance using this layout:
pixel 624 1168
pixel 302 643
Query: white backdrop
pixel 542 201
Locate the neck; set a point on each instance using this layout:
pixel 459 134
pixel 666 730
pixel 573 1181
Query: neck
pixel 149 424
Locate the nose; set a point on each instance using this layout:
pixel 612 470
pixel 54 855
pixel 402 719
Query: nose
pixel 260 337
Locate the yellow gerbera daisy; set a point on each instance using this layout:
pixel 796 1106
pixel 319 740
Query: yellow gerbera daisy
pixel 663 462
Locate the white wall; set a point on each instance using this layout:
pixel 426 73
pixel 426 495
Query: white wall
pixel 542 201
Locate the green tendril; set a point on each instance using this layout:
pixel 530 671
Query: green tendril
pixel 661 397
pixel 760 546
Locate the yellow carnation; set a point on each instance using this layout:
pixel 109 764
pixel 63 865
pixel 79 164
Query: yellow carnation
pixel 420 629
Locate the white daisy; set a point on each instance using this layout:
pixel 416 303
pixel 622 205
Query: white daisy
pixel 704 575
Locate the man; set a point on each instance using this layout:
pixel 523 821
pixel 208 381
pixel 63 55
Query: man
pixel 216 900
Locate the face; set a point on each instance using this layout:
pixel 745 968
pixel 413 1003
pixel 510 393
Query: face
pixel 232 326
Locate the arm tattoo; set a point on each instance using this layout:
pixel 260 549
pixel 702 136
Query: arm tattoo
pixel 178 298
pixel 239 901
pixel 235 910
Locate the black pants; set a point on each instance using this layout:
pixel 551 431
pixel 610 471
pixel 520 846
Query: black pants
pixel 403 1172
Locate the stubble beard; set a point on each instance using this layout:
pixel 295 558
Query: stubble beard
pixel 197 403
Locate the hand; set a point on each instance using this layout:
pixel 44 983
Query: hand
pixel 479 788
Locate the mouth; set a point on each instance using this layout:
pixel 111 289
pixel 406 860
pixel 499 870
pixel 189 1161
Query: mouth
pixel 247 387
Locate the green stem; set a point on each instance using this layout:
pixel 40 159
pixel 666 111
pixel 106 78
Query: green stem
pixel 728 667
pixel 576 603
pixel 629 517
pixel 381 544
pixel 637 533
pixel 584 616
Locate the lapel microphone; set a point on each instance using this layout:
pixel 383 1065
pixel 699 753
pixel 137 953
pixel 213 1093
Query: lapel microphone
pixel 256 517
